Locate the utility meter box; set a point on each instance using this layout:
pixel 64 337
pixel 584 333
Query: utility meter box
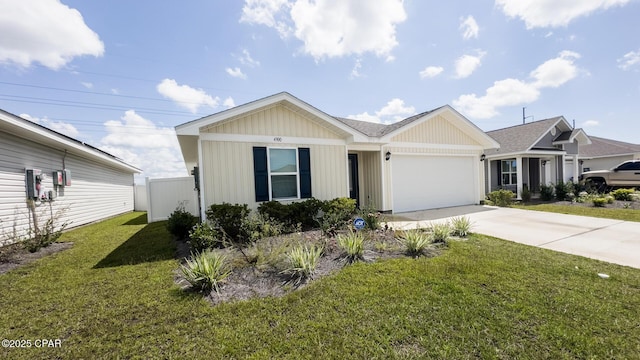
pixel 58 178
pixel 33 179
pixel 66 176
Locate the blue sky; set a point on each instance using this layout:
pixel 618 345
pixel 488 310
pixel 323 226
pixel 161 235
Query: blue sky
pixel 121 74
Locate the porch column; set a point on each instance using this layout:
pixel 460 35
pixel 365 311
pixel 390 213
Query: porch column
pixel 518 176
pixel 576 168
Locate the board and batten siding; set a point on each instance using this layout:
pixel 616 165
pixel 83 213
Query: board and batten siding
pixel 435 131
pixel 96 191
pixel 227 171
pixel 274 121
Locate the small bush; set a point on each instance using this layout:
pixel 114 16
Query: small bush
pixel 599 202
pixel 204 237
pixel 502 198
pixel 353 245
pixel 302 262
pixel 415 241
pixel 257 226
pixel 623 194
pixel 609 199
pixel 562 190
pixel 371 217
pixel 460 226
pixel 228 218
pixel 440 232
pixel 526 193
pixel 180 222
pixel 206 271
pixel 345 207
pixel 546 192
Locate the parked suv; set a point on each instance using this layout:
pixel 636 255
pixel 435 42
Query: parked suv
pixel 626 174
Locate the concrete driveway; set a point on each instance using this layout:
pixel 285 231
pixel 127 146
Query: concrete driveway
pixel 608 240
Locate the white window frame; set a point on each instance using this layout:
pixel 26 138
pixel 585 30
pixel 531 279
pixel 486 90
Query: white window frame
pixel 296 173
pixel 511 173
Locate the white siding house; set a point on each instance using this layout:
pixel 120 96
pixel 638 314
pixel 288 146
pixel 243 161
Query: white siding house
pixel 281 148
pixel 97 185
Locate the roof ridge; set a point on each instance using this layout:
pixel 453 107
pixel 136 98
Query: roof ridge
pixel 526 124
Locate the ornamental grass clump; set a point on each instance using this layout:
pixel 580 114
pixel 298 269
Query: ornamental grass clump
pixel 353 246
pixel 440 232
pixel 415 241
pixel 206 271
pixel 302 262
pixel 460 226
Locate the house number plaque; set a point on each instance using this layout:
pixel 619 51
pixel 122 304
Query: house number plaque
pixel 277 139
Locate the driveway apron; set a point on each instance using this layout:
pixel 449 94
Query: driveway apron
pixel 614 241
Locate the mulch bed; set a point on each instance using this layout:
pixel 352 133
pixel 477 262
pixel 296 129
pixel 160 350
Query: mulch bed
pixel 14 255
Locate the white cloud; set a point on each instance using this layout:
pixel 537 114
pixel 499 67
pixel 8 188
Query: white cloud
pixel 511 92
pixel 590 123
pixel 394 111
pixel 553 13
pixel 431 71
pixel 557 71
pixel 236 72
pixel 467 64
pixel 59 126
pixel 47 32
pixel 115 91
pixel 332 28
pixel 139 142
pixel 88 85
pixel 247 60
pixel 629 60
pixel 228 102
pixel 355 72
pixel 469 28
pixel 186 96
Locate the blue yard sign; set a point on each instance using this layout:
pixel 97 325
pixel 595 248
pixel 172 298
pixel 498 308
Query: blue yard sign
pixel 358 223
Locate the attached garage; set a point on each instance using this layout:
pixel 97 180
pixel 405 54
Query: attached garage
pixel 427 182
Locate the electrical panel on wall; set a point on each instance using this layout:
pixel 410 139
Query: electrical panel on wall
pixel 58 178
pixel 66 176
pixel 33 179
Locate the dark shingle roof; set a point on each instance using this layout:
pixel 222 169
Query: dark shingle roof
pixel 521 138
pixel 607 147
pixel 376 129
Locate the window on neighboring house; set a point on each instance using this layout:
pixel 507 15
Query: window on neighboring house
pixel 281 173
pixel 509 172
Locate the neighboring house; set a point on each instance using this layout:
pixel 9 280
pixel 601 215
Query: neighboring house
pixel 605 154
pixel 535 153
pixel 43 172
pixel 281 148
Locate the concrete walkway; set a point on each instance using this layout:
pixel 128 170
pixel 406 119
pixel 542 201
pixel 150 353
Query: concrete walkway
pixel 614 241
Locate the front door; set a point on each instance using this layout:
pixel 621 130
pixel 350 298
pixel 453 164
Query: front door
pixel 354 189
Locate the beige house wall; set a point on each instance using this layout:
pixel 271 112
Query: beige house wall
pixel 227 171
pixel 276 120
pixel 437 130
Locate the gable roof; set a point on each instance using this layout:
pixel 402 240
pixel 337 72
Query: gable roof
pixel 29 130
pixel 601 147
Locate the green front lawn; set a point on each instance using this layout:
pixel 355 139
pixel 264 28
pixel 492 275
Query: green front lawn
pixel 607 213
pixel 112 295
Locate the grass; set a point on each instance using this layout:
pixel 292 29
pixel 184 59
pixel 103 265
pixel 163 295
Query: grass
pixel 112 295
pixel 607 213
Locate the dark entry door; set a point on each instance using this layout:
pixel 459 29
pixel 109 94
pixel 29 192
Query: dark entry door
pixel 354 190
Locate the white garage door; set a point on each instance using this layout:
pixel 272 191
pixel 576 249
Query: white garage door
pixel 429 182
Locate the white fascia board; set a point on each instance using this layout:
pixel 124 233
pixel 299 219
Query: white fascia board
pixel 525 154
pixel 434 146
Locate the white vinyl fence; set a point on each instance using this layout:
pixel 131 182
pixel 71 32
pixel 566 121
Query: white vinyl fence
pixel 165 195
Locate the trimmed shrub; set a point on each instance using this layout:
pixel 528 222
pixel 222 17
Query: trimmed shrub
pixel 502 198
pixel 257 226
pixel 623 194
pixel 302 262
pixel 345 207
pixel 415 241
pixel 546 192
pixel 206 271
pixel 353 245
pixel 599 202
pixel 228 218
pixel 203 237
pixel 460 226
pixel 562 190
pixel 180 222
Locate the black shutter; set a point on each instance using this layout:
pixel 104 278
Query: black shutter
pixel 499 172
pixel 304 166
pixel 261 173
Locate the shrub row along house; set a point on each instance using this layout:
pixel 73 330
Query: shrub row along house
pixel 45 174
